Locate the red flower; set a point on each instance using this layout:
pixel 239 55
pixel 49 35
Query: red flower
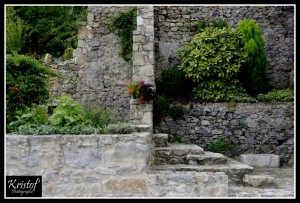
pixel 142 98
pixel 141 83
pixel 14 88
pixel 18 97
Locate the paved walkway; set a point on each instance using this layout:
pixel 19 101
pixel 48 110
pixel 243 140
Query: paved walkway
pixel 283 188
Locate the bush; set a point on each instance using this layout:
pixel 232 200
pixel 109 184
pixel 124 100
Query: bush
pixel 207 23
pixel 26 84
pixel 212 59
pixel 68 113
pixel 68 53
pixel 100 118
pixel 253 73
pixel 34 118
pixel 14 31
pixel 220 145
pixel 286 95
pixel 176 111
pixel 173 83
pixel 50 29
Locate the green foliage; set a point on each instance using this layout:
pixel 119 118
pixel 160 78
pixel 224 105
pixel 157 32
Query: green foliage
pixel 176 111
pixel 212 59
pixel 14 29
pixel 124 24
pixel 285 95
pixel 68 53
pixel 173 83
pixel 219 24
pixel 103 117
pixel 36 117
pixel 68 113
pixel 253 73
pixel 160 108
pixel 50 29
pixel 207 23
pixel 26 83
pixel 69 117
pixel 220 145
pixel 122 128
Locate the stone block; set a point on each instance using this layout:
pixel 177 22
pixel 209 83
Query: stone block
pixel 260 160
pixel 126 185
pixel 258 180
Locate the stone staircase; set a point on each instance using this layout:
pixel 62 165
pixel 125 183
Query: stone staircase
pixel 191 157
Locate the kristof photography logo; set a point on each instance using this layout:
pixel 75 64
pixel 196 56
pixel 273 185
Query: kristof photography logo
pixel 23 186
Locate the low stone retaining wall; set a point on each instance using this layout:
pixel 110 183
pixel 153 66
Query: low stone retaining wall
pixel 257 128
pixel 103 166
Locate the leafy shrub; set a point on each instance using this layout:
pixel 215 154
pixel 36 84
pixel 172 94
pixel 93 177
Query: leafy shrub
pixel 219 24
pixel 50 29
pixel 100 117
pixel 68 113
pixel 68 53
pixel 122 128
pixel 124 24
pixel 176 111
pixel 213 59
pixel 285 95
pixel 34 118
pixel 26 84
pixel 14 31
pixel 253 73
pixel 173 83
pixel 207 23
pixel 220 145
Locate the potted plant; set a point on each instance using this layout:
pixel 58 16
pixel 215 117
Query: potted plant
pixel 140 92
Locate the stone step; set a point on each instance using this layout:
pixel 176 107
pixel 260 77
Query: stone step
pixel 260 160
pixel 142 128
pixel 208 158
pixel 261 180
pixel 160 140
pixel 234 169
pixel 176 153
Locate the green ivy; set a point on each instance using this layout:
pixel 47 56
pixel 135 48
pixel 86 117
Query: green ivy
pixel 124 24
pixel 212 59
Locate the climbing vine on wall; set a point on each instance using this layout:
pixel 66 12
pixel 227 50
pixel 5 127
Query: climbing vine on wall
pixel 124 24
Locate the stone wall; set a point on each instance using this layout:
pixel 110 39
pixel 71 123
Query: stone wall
pixel 97 71
pixel 174 28
pixel 103 166
pixel 255 127
pixel 75 165
pixel 143 63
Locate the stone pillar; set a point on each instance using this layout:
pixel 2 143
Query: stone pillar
pixel 143 63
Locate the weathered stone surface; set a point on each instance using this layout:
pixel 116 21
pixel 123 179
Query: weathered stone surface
pixel 260 160
pixel 187 184
pixel 126 185
pixel 175 28
pixel 161 140
pixel 208 158
pixel 258 180
pixel 235 122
